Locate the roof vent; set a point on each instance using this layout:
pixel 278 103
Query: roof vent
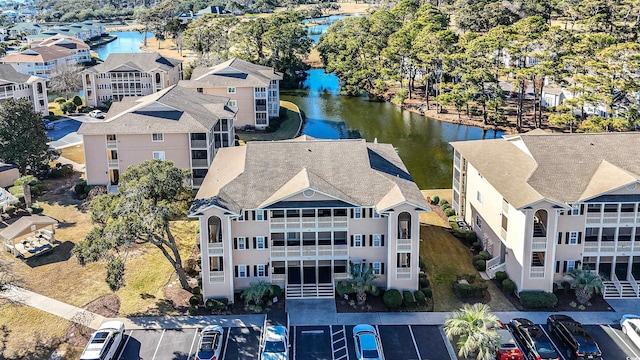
pixel 309 150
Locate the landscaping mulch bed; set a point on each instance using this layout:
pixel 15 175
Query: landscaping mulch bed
pixel 238 307
pixel 375 304
pixel 77 334
pixel 564 301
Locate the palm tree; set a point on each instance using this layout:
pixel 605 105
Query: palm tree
pixel 362 277
pixel 473 327
pixel 586 284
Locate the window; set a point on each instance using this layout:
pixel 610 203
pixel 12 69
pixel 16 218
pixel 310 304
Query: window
pixel 377 240
pixel 478 222
pixel 215 263
pixel 261 118
pixel 571 264
pixel 479 197
pixel 377 268
pixel 233 103
pixel 375 214
pixel 404 260
pixel 357 213
pixel 158 155
pixel 259 215
pixel 231 90
pixel 575 209
pixel 260 271
pixel 573 237
pixel 241 271
pixel 537 258
pixel 260 243
pixel 241 243
pixel 357 240
pixel 404 226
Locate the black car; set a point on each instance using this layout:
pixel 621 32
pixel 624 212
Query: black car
pixel 571 332
pixel 534 341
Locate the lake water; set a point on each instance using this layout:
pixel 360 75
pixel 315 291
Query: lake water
pixel 127 42
pixel 320 25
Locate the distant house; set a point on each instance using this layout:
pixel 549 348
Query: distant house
pixel 174 124
pixel 215 10
pixel 24 28
pixel 253 88
pixel 124 75
pixel 15 85
pixel 40 60
pixel 79 47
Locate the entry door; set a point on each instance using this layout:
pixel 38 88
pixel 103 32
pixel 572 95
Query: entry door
pixel 324 272
pixel 605 270
pixel 622 268
pixel 115 177
pixel 309 272
pixel 293 274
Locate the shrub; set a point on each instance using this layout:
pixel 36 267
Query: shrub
pixel 199 279
pixel 501 276
pixel 344 287
pixel 444 207
pixel 408 298
pixel 538 299
pixel 472 237
pixel 508 286
pixel 481 265
pixel 36 209
pixel 77 100
pixel 420 298
pixel 566 286
pixel 190 268
pixel 465 290
pixel 485 255
pixel 424 283
pixel 35 185
pixel 477 258
pixel 276 291
pixel 435 200
pixel 10 210
pixel 60 171
pixel 79 187
pixel 60 100
pixel 68 107
pixel 194 300
pixel 443 201
pixel 374 290
pixel 422 264
pixel 428 293
pixel 195 290
pixel 400 96
pixel 392 298
pixel 192 311
pixel 449 212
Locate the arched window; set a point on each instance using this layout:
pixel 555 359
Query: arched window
pixel 39 88
pixel 157 78
pixel 215 229
pixel 88 79
pixel 540 223
pixel 404 226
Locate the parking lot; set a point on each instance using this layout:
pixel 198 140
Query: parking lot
pixel 399 342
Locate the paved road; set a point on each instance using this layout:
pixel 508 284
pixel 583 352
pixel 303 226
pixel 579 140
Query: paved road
pixel 399 342
pixel 65 131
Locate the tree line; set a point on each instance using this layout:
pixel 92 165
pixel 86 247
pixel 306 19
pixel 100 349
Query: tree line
pixel 458 52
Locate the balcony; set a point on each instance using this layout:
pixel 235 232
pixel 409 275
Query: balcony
pixel 623 246
pixel 539 244
pixel 312 250
pixel 197 181
pixel 403 245
pixel 260 94
pixel 198 144
pixel 536 272
pixel 261 107
pixel 113 163
pixel 112 144
pixel 215 248
pixel 403 273
pixel 590 246
pixel 204 163
pixel 216 277
pixel 278 278
pixel 298 223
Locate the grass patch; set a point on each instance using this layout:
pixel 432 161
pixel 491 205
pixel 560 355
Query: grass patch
pixel 74 153
pixel 288 129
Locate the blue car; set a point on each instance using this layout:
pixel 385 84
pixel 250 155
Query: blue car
pixel 48 125
pixel 367 343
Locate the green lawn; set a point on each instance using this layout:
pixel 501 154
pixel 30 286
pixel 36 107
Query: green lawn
pixel 288 129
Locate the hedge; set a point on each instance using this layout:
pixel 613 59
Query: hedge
pixel 501 276
pixel 481 265
pixel 408 298
pixel 420 298
pixel 428 293
pixel 538 299
pixel 344 287
pixel 485 255
pixel 424 283
pixel 194 300
pixel 435 200
pixel 392 298
pixel 508 286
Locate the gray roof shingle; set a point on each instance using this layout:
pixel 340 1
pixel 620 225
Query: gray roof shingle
pixel 234 72
pixel 143 62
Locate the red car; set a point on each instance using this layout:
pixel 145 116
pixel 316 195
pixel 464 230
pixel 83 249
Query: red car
pixel 508 348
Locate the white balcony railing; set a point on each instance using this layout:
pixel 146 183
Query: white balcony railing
pixel 298 223
pixel 610 218
pixel 403 245
pixel 198 144
pixel 319 250
pixel 607 246
pixel 278 251
pixel 215 248
pixel 340 276
pixel 200 163
pixel 403 273
pixel 590 246
pixel 539 244
pixel 197 181
pixel 113 163
pixel 278 278
pixel 260 94
pixel 536 272
pixel 112 144
pixel 623 246
pixel 627 218
pixel 594 218
pixel 216 277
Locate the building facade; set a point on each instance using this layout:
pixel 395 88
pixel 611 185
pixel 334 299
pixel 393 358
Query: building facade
pixel 544 204
pixel 295 213
pixel 15 85
pixel 174 124
pixel 40 60
pixel 127 75
pixel 255 89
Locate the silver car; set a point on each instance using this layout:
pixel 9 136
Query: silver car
pixel 105 342
pixel 210 343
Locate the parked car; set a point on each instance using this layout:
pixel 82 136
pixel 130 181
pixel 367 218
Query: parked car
pixel 105 342
pixel 508 348
pixel 631 326
pixel 274 344
pixel 48 125
pixel 367 343
pixel 535 343
pixel 572 334
pixel 210 343
pixel 96 114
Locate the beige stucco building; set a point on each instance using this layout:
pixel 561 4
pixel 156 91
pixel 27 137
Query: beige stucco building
pixel 543 204
pixel 254 89
pixel 15 85
pixel 127 75
pixel 296 212
pixel 174 124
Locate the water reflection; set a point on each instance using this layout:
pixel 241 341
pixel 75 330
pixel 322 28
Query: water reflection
pixel 127 42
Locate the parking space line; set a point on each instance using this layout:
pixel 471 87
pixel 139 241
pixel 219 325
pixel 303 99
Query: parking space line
pixel 334 350
pixel 415 344
pixel 192 343
pixel 447 344
pixel 226 344
pixel 158 346
pixel 294 342
pixel 125 345
pixel 381 348
pixel 624 342
pixel 553 343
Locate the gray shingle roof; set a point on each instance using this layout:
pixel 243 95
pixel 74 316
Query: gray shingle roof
pixel 9 75
pixel 234 72
pixel 562 168
pixel 140 61
pixel 354 171
pixel 173 110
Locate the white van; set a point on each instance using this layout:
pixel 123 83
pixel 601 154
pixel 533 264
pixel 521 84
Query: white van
pixel 105 342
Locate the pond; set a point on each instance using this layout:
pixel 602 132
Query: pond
pixel 127 42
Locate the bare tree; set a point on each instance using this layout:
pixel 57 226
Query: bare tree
pixel 66 79
pixel 8 278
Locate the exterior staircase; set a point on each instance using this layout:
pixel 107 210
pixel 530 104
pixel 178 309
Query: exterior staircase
pixel 621 289
pixel 493 266
pixel 300 291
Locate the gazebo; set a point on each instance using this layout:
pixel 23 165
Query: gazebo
pixel 41 239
